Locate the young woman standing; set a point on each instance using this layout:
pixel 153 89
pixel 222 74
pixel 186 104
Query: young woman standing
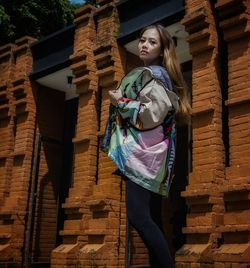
pixel 140 135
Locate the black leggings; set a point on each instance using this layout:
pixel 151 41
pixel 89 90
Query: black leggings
pixel 144 214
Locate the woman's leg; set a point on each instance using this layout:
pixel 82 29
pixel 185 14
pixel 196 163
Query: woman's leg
pixel 140 202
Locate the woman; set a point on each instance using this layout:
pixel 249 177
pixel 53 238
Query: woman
pixel 140 135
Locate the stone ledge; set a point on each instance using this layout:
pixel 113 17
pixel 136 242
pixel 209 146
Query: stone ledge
pixel 72 232
pixel 80 80
pixel 6 54
pixel 106 71
pixel 192 253
pixel 6 212
pixel 238 101
pixel 5 236
pixel 81 139
pixel 4 107
pixel 231 187
pixel 233 228
pixel 96 231
pixel 197 111
pixel 25 40
pixel 4 248
pixel 196 193
pixel 78 65
pixel 18 80
pixel 233 253
pixel 78 57
pixel 195 20
pixel 6 47
pixel 198 230
pixel 72 204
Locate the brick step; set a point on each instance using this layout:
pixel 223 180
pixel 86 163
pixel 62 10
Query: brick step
pixel 4 238
pixel 72 232
pixel 72 204
pixel 232 186
pixel 78 57
pixel 78 65
pixel 5 235
pixel 4 106
pixel 73 224
pixel 192 251
pixel 233 228
pixel 233 252
pixel 96 231
pixel 98 224
pixel 6 213
pixel 80 80
pixel 196 193
pixel 3 248
pixel 3 94
pixel 106 71
pixel 197 230
pixel 101 55
pixel 9 204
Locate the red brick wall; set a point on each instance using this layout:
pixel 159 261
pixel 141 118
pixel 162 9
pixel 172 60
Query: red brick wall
pixel 17 136
pixel 217 236
pixel 236 221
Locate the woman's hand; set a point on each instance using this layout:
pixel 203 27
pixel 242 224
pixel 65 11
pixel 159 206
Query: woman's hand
pixel 114 96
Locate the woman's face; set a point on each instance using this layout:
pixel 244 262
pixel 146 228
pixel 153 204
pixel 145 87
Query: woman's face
pixel 150 47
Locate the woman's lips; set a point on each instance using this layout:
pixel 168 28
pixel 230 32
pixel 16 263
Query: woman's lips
pixel 143 52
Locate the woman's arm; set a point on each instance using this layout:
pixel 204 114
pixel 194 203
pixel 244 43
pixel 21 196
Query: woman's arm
pixel 156 102
pixel 150 109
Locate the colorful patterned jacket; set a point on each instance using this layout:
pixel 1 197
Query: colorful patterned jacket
pixel 140 132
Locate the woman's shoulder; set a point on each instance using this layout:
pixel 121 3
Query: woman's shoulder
pixel 161 74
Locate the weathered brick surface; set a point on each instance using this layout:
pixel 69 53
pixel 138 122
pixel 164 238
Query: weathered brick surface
pixel 223 222
pixel 17 135
pixel 203 198
pixel 235 228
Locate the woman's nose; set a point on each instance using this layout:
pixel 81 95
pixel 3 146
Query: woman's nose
pixel 145 45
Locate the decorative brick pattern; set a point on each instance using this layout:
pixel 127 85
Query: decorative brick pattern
pixel 85 143
pixel 235 228
pixel 203 198
pixel 219 204
pixel 17 126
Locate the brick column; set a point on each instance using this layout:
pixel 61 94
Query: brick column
pixel 22 134
pixel 204 200
pixel 7 66
pixel 106 228
pixel 236 220
pixel 85 142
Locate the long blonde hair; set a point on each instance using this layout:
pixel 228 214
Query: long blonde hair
pixel 171 63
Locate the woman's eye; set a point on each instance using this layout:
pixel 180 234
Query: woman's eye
pixel 141 40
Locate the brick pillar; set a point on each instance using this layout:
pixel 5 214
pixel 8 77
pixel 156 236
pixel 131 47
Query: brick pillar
pixel 7 66
pixel 236 220
pixel 107 226
pixel 85 142
pixel 203 198
pixel 21 134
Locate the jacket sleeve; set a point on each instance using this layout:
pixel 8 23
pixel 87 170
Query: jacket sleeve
pixel 150 109
pixel 155 103
pixel 127 108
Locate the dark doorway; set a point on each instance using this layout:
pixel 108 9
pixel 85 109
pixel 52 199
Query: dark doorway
pixel 70 121
pixel 56 121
